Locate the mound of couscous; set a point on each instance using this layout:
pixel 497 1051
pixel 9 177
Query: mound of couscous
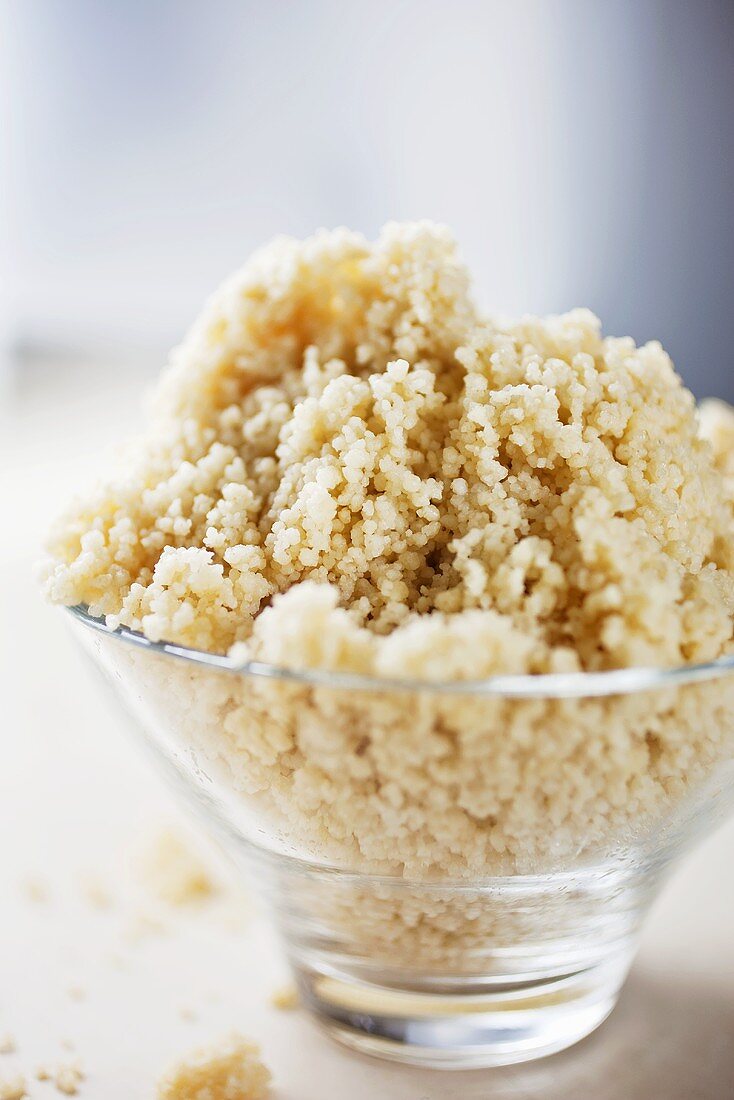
pixel 347 466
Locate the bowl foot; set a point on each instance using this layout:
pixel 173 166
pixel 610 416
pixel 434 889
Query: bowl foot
pixel 501 1025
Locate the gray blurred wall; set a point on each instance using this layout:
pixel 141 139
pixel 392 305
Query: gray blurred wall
pixel 582 151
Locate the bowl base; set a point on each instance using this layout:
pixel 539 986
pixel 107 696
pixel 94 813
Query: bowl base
pixel 503 1025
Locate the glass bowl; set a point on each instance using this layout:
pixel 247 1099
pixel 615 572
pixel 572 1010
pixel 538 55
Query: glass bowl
pixel 458 871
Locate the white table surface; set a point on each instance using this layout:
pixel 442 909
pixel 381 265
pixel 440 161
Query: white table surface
pixel 75 793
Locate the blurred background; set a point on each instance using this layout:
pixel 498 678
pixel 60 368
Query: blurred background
pixel 583 153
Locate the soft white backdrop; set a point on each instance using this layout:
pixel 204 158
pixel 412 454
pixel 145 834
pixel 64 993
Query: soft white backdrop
pixel 582 151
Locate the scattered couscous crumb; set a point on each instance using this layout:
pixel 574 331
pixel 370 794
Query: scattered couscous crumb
pixel 76 993
pixel 347 467
pixel 95 892
pixel 142 926
pixel 13 1088
pixel 173 871
pixel 285 998
pixel 7 1044
pixel 66 1077
pixel 230 1070
pixel 188 1014
pixel 117 961
pixel 35 889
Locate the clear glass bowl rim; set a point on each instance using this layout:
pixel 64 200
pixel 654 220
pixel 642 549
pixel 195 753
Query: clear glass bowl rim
pixel 562 685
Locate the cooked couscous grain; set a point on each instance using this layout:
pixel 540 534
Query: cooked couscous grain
pixel 285 998
pixel 66 1077
pixel 173 870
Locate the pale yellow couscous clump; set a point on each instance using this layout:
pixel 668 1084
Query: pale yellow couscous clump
pixel 67 1078
pixel 230 1070
pixel 13 1088
pixel 347 466
pixel 173 870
